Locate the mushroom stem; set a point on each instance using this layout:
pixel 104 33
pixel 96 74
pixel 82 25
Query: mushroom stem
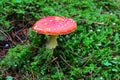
pixel 52 42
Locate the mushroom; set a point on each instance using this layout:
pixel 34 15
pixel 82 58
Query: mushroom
pixel 54 26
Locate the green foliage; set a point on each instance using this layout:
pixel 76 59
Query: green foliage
pixel 15 55
pixel 35 38
pixel 9 78
pixel 89 53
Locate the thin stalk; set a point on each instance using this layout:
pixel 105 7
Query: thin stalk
pixel 52 42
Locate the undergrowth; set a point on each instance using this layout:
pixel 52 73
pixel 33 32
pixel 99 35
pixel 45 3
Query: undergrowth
pixel 92 52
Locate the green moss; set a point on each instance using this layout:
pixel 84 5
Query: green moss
pixel 90 52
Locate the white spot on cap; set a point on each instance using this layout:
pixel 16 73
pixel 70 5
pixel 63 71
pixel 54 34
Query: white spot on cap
pixel 35 28
pixel 48 29
pixel 45 23
pixel 51 20
pixel 59 18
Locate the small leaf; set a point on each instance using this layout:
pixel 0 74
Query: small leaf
pixel 114 70
pixel 106 63
pixel 9 78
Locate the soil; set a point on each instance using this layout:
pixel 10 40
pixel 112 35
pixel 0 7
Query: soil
pixel 17 35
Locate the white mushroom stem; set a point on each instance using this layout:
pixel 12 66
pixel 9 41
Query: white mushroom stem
pixel 52 42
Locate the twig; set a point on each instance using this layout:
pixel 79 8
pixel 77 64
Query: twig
pixel 32 74
pixel 8 36
pixel 14 34
pixel 58 69
pixel 66 61
pixel 88 60
pixel 53 59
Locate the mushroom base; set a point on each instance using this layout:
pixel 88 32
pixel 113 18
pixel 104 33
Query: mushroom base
pixel 52 42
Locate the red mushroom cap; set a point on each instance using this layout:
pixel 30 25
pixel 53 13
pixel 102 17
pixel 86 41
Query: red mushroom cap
pixel 54 25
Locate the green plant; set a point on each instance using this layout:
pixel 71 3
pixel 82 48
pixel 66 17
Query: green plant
pixel 91 52
pixel 13 60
